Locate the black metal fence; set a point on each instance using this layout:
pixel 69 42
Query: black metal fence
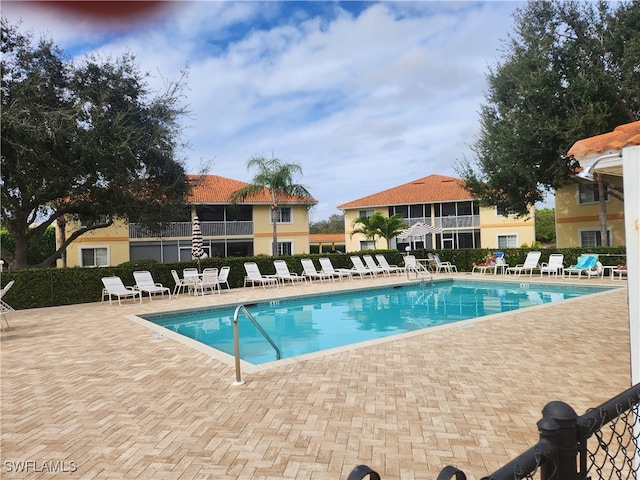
pixel 604 443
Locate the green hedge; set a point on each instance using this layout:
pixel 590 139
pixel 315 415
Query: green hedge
pixel 35 288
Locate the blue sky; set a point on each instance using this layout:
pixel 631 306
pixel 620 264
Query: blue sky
pixel 364 96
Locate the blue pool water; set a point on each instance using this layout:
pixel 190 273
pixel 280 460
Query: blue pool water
pixel 319 322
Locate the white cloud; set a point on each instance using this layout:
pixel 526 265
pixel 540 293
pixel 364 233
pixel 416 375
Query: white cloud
pixel 363 101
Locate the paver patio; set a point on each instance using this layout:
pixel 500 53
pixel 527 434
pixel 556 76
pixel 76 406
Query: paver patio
pixel 87 390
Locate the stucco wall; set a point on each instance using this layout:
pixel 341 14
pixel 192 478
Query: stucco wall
pixel 352 244
pixel 115 238
pixel 493 225
pixel 296 232
pixel 572 217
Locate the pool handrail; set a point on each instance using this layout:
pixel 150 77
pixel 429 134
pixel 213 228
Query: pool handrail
pixel 236 339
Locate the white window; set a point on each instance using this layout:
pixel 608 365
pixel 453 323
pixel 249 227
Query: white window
pixel 501 212
pixel 94 257
pixel 367 245
pixel 507 241
pixel 285 248
pixel 589 194
pixel 284 215
pixel 100 220
pixel 366 213
pixel 592 238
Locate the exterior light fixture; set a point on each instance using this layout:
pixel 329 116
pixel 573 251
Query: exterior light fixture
pixel 587 172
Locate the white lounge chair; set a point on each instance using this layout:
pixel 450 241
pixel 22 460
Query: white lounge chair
pixel 310 271
pixel 360 269
pixel 530 264
pixel 373 266
pixel 327 267
pixel 113 287
pixel 255 277
pixel 498 263
pixel 223 277
pixel 145 284
pixel 382 261
pixel 284 275
pixel 621 272
pixel 554 266
pixel 208 281
pixel 5 308
pixel 587 263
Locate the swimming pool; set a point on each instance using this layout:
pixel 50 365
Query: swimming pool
pixel 319 322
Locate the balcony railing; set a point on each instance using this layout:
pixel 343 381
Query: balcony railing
pixel 468 221
pixel 184 230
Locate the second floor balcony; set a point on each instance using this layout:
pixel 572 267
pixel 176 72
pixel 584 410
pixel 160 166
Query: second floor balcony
pixel 185 229
pixel 463 221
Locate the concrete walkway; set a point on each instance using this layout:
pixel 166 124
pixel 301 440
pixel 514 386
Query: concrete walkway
pixel 93 394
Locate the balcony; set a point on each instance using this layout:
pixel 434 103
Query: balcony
pixel 184 230
pixel 467 221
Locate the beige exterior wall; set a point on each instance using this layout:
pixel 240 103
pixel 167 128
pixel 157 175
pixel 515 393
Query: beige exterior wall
pixel 114 238
pixel 493 225
pixel 573 218
pixel 352 244
pixel 296 232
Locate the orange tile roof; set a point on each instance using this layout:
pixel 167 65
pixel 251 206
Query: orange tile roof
pixel 217 189
pixel 326 238
pixel 627 134
pixel 433 188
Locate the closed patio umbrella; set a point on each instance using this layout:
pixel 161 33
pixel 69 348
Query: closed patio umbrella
pixel 196 241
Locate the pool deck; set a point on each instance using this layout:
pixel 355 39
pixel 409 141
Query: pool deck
pixel 89 390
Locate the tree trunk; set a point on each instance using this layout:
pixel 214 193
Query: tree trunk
pixel 62 228
pixel 274 221
pixel 20 254
pixel 602 210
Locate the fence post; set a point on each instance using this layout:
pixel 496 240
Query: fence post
pixel 548 430
pixel 567 440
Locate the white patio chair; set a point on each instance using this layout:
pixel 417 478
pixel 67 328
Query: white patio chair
pixel 360 269
pixel 284 275
pixel 208 281
pixel 555 265
pixel 223 277
pixel 384 264
pixel 311 272
pixel 113 287
pixel 5 308
pixel 254 276
pixel 327 267
pixel 181 284
pixel 145 284
pixel 530 264
pixel 373 266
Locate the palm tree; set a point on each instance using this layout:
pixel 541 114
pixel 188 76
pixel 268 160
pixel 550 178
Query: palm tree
pixel 391 227
pixel 378 225
pixel 277 177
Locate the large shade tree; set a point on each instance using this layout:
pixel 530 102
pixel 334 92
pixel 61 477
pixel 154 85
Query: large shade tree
pixel 278 178
pixel 85 140
pixel 570 70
